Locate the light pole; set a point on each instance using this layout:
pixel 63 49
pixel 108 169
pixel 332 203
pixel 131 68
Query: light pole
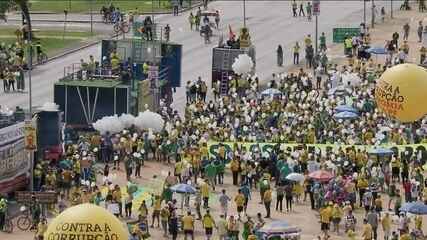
pixel 152 10
pixel 373 11
pixel 65 23
pixel 364 12
pixel 30 97
pixel 91 17
pixel 244 13
pixel 391 8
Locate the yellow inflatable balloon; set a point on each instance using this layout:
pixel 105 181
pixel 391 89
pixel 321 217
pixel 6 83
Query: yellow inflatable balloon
pixel 86 222
pixel 401 92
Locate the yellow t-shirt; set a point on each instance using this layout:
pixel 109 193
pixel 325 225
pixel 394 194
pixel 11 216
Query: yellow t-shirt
pixel 405 237
pixel 239 200
pixel 205 190
pixel 208 221
pixel 386 223
pixel 178 168
pixel 158 204
pixel 267 196
pixel 325 215
pixel 337 212
pixel 188 222
pixel 367 232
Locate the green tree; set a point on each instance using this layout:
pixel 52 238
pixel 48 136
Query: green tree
pixel 6 5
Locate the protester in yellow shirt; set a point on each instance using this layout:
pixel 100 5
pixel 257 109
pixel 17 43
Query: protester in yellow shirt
pixel 337 214
pixel 204 188
pixel 367 230
pixel 156 211
pixel 267 202
pixel 188 225
pixel 386 224
pixel 208 224
pixel 239 199
pixel 164 217
pixel 325 218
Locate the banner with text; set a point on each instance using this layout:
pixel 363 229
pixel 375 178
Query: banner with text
pixel 14 161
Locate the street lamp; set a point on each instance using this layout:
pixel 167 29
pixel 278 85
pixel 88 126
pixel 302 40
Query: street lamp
pixel 373 11
pixel 364 12
pixel 391 8
pixel 65 23
pixel 91 17
pixel 244 13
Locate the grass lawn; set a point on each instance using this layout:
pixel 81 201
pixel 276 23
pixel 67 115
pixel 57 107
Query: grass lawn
pixel 84 5
pixel 51 41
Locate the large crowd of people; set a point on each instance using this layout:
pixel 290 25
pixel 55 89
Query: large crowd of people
pixel 295 108
pixel 12 67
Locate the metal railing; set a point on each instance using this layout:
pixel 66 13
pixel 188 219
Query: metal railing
pixel 76 72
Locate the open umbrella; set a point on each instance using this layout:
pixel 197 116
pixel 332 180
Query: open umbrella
pixel 271 92
pixel 346 115
pixel 183 188
pixel 377 50
pixel 297 177
pixel 321 176
pixel 278 226
pixel 381 151
pixel 346 108
pixel 418 208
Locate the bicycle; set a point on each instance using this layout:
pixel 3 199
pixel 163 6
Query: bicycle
pixel 25 221
pixel 121 27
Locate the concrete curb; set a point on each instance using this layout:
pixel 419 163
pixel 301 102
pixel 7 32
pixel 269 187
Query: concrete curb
pixel 49 59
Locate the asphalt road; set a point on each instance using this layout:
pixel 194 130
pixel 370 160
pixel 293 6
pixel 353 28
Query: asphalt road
pixel 270 23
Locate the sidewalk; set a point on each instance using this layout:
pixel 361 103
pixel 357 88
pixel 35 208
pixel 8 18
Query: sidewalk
pixel 379 35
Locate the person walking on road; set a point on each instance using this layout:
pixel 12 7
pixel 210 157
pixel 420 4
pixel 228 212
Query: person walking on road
pixel 296 50
pixel 279 52
pixel 188 225
pixel 224 199
pixel 372 218
pixel 420 31
pixel 267 202
pixel 167 32
pixel 217 19
pixel 175 5
pixel 309 55
pixel 208 223
pixel 322 40
pixel 301 10
pixel 280 194
pixel 406 29
pixel 386 224
pixel 308 9
pixel 294 8
pixel 191 20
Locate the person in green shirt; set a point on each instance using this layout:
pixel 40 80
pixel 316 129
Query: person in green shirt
pixel 322 40
pixel 220 169
pixel 210 171
pixel 167 194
